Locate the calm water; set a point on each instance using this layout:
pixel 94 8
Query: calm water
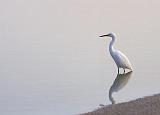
pixel 52 61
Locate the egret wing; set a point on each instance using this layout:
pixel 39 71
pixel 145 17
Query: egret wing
pixel 123 61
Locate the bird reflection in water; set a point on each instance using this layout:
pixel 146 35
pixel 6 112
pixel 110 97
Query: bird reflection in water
pixel 120 81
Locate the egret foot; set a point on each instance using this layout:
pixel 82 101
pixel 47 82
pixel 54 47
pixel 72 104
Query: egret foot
pixel 124 70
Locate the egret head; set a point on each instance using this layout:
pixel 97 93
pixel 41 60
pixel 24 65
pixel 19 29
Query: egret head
pixel 109 35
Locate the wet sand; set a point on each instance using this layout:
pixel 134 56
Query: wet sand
pixel 144 106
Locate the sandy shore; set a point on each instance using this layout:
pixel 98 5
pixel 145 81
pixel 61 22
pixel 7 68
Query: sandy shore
pixel 144 106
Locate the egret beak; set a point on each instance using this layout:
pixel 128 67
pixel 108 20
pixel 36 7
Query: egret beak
pixel 103 35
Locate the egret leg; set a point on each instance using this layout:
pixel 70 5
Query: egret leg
pixel 124 70
pixel 118 70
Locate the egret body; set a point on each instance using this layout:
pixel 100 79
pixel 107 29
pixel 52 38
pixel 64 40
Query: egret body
pixel 120 59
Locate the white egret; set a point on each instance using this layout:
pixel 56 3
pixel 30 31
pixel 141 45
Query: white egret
pixel 120 59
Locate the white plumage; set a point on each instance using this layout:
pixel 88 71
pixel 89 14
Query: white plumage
pixel 120 59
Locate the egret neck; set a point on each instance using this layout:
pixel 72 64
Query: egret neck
pixel 111 48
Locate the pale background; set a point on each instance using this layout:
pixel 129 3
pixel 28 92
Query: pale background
pixel 53 62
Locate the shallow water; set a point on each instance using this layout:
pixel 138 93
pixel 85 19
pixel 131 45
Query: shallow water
pixel 53 62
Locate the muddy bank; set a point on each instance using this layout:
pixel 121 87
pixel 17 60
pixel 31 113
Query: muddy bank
pixel 144 106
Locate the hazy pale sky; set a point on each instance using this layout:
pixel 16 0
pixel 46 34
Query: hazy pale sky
pixel 78 20
pixel 73 21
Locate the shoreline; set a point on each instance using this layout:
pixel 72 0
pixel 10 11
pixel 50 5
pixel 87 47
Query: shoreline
pixel 149 105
